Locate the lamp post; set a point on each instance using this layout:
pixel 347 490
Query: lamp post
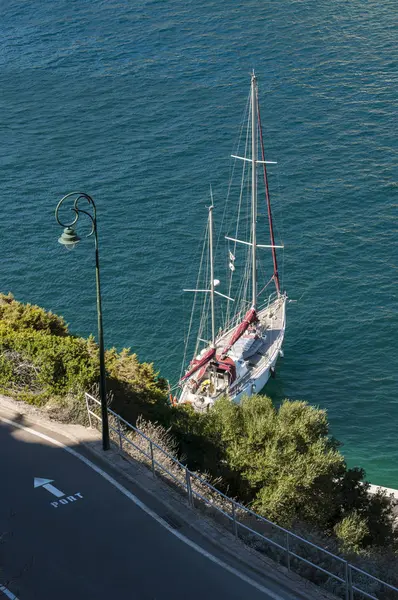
pixel 69 239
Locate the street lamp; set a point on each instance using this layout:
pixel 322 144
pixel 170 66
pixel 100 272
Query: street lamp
pixel 70 239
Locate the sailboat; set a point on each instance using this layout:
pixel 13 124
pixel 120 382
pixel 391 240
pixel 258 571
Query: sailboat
pixel 239 358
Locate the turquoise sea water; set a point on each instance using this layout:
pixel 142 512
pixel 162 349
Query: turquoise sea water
pixel 139 104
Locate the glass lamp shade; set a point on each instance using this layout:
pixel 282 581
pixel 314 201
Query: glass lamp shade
pixel 69 238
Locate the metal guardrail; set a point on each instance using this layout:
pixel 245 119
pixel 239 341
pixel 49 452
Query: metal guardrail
pixel 286 543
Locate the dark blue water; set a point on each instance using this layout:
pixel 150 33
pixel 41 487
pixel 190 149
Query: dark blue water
pixel 139 104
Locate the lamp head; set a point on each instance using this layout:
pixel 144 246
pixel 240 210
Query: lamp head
pixel 69 238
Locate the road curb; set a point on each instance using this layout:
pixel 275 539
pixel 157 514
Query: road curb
pixel 5 593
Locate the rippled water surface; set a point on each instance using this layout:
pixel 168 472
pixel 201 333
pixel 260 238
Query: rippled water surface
pixel 138 104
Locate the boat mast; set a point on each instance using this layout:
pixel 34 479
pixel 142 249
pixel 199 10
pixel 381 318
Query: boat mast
pixel 254 187
pixel 213 322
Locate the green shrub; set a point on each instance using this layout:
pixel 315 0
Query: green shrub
pixel 352 532
pixel 6 370
pixel 292 471
pixel 20 316
pixel 40 360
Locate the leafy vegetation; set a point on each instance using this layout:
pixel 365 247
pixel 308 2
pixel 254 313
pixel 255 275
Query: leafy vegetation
pixel 22 317
pixel 41 361
pixel 352 532
pixel 283 461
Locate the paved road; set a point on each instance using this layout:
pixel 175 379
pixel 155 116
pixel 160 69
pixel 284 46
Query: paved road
pixel 93 542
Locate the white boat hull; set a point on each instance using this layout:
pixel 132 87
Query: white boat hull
pixel 255 385
pixel 255 375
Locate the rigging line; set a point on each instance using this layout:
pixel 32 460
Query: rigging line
pixel 281 220
pixel 187 333
pixel 280 225
pixel 193 305
pixel 238 218
pixel 232 168
pixel 243 281
pixel 243 176
pixel 203 323
pixel 223 218
pixel 266 285
pixel 247 279
pixel 203 331
pixel 243 285
pixel 244 197
pixel 271 228
pixel 305 291
pixel 262 273
pixel 244 170
pixel 243 275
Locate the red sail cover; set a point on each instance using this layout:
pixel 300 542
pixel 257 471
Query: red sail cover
pixel 227 365
pixel 196 364
pixel 249 318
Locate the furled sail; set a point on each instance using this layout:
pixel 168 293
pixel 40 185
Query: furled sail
pixel 250 317
pixel 196 364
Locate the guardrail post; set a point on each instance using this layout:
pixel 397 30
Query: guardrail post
pixel 288 550
pixel 119 431
pixel 152 459
pixel 88 411
pixel 347 583
pixel 350 590
pixel 189 488
pixel 234 519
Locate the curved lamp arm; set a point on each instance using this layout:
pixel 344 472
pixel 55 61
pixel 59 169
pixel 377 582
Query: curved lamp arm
pixel 78 196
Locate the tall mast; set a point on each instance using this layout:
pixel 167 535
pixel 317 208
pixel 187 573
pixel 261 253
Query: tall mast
pixel 267 196
pixel 213 322
pixel 254 187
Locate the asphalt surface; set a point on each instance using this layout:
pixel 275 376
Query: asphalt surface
pixel 93 541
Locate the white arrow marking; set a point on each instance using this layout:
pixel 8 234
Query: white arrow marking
pixel 46 483
pixel 37 482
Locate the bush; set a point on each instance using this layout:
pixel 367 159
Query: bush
pixel 286 457
pixel 352 532
pixel 293 471
pixel 40 360
pixel 41 365
pixel 18 316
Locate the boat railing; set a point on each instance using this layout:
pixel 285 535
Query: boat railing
pixel 268 301
pixel 328 570
pixel 238 317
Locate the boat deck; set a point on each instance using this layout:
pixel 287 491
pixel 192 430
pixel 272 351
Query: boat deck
pixel 272 325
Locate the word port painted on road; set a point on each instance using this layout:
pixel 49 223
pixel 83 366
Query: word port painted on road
pixel 39 482
pixel 66 500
